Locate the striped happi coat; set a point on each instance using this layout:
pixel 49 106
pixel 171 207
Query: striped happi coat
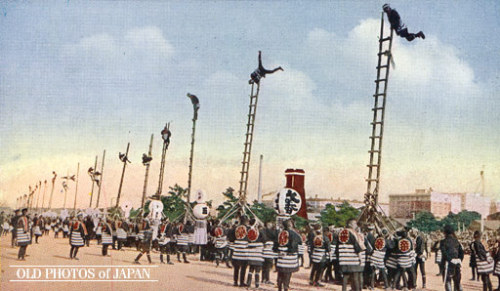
pixel 107 239
pixel 404 253
pixel 378 255
pixel 484 261
pixel 22 232
pixel 349 252
pixel 320 253
pixel 268 252
pixel 240 244
pixel 76 235
pixel 255 253
pixel 288 258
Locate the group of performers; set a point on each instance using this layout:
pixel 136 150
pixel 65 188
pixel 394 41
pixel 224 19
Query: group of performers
pixel 346 255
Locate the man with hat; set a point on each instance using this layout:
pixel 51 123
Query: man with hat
pixel 23 234
pixel 13 222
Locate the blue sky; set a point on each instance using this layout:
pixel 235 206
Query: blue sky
pixel 78 77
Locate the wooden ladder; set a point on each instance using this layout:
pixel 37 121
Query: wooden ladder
pixel 254 95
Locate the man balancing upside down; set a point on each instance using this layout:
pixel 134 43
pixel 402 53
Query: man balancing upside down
pixel 398 25
pixel 261 72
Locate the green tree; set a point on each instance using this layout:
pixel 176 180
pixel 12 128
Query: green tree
pixel 300 222
pixel 425 221
pixel 338 215
pixel 263 212
pixel 231 200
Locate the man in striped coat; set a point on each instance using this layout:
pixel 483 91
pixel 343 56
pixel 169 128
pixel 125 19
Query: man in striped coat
pixel 238 236
pixel 23 234
pixel 182 234
pixel 254 252
pixel 320 251
pixel 485 263
pixel 351 254
pixel 268 253
pixel 287 247
pixel 76 234
pixel 377 259
pixel 403 251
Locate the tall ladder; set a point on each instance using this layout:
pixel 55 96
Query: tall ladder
pixel 371 213
pixel 248 142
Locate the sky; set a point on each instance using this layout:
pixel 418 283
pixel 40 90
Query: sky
pixel 78 78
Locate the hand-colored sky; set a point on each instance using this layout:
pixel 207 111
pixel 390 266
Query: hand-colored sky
pixel 80 77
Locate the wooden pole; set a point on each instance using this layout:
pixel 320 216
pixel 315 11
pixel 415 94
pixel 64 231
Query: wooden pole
pixel 102 173
pixel 39 191
pixel 66 189
pixel 123 174
pixel 52 191
pixel 43 196
pixel 93 182
pixel 191 161
pixel 147 173
pixel 76 186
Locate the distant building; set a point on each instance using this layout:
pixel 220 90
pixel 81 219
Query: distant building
pixel 439 204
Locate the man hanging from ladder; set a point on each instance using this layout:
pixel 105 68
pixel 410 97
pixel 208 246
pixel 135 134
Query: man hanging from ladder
pixel 261 72
pixel 398 25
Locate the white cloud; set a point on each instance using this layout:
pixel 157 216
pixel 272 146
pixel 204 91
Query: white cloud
pixel 149 40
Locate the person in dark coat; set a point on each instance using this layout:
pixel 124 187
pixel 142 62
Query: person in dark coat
pixel 485 263
pixel 398 26
pixel 287 247
pixel 261 72
pixel 13 223
pixel 453 255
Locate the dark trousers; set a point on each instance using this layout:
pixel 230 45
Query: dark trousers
pixel 404 33
pixel 284 280
pixel 408 282
pixel 22 252
pixel 266 269
pixel 383 273
pixel 487 286
pixel 240 268
pixel 254 270
pixel 316 271
pixel 355 281
pixel 328 272
pixel 453 274
pixel 73 251
pixel 105 250
pixel 420 264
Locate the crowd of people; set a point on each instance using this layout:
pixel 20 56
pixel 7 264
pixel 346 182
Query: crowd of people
pixel 335 254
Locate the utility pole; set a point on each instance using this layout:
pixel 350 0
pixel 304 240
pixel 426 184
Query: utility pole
pixel 259 191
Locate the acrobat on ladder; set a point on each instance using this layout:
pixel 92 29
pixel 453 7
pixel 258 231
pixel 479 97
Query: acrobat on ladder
pixel 255 79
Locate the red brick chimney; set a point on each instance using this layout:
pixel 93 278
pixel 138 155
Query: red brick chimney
pixel 295 180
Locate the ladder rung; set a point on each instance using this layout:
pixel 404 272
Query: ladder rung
pixel 372 165
pixel 382 67
pixel 380 80
pixel 376 122
pixel 379 94
pixel 377 136
pixel 377 108
pixel 374 151
pixel 371 180
pixel 384 53
pixel 385 39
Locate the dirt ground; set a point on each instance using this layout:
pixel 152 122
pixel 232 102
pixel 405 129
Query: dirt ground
pixel 49 260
